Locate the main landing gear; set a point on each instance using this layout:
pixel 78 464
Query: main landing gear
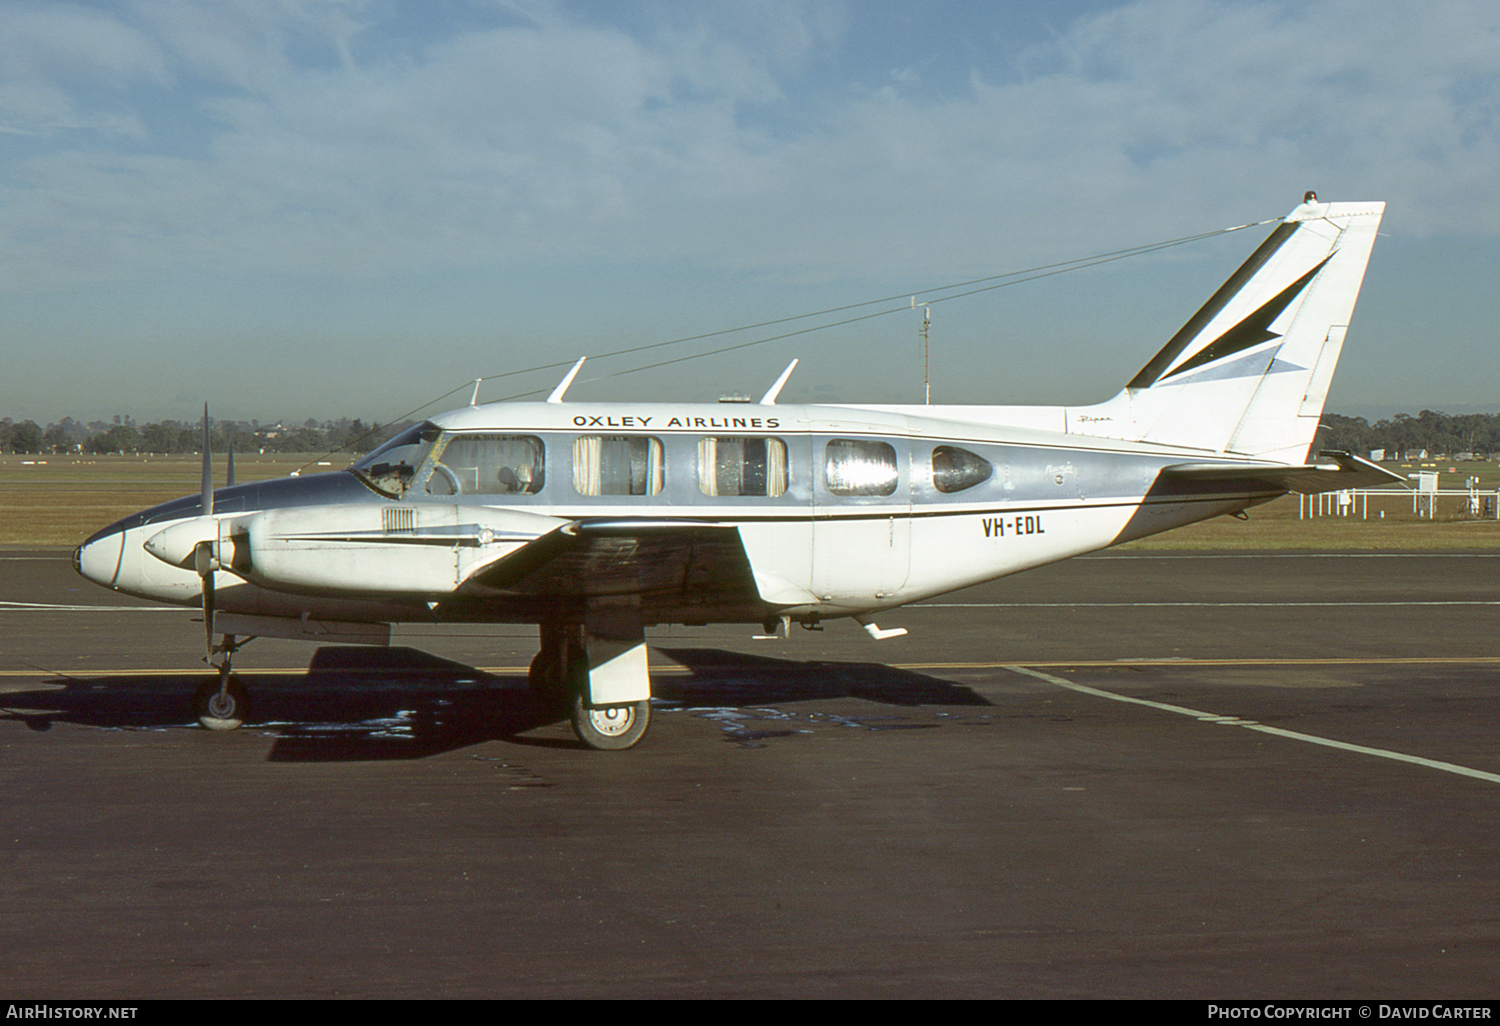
pixel 600 698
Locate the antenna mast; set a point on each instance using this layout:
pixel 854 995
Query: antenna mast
pixel 926 375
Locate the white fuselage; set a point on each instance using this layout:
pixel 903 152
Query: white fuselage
pixel 841 510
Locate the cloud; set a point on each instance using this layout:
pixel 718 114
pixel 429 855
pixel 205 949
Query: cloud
pixel 1403 101
pixel 58 61
pixel 336 140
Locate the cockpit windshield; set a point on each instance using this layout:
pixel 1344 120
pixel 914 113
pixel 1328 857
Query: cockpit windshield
pixel 390 468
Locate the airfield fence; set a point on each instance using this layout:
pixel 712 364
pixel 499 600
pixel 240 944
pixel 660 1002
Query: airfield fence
pixel 1425 502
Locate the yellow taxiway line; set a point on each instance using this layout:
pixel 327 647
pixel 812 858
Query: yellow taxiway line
pixel 1167 662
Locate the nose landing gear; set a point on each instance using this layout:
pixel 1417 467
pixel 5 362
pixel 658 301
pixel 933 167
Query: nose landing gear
pixel 223 704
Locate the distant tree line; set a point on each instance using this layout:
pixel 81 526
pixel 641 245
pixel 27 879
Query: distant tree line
pixel 1437 433
pixel 124 435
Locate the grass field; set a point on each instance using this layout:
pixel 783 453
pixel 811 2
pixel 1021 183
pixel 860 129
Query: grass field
pixel 61 500
pixel 1379 522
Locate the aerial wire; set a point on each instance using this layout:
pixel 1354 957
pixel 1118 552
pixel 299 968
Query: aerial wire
pixel 1045 271
pixel 989 283
pixel 1041 271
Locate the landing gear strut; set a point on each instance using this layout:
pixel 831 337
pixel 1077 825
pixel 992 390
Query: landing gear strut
pixel 223 704
pixel 597 681
pixel 548 677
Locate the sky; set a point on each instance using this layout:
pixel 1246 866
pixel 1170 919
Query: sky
pixel 295 208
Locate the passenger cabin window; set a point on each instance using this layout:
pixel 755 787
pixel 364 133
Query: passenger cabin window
pixel 617 465
pixel 742 466
pixel 954 469
pixel 487 465
pixel 860 467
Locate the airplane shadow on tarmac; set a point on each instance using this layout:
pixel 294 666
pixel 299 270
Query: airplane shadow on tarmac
pixel 363 704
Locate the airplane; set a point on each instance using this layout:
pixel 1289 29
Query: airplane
pixel 597 520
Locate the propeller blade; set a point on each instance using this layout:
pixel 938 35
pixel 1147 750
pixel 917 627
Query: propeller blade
pixel 203 562
pixel 208 470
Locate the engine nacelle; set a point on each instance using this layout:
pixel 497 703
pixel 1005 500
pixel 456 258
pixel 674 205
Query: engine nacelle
pixel 175 545
pixel 420 551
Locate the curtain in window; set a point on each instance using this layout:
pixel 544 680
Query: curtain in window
pixel 617 465
pixel 742 466
pixel 776 475
pixel 586 470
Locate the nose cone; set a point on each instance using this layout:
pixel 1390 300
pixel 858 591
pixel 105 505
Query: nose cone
pixel 98 559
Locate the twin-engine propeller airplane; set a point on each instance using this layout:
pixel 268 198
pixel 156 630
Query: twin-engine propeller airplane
pixel 597 520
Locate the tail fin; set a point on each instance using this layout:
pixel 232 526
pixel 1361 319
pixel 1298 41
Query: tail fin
pixel 1250 371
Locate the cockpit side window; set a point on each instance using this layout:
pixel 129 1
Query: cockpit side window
pixel 617 465
pixel 742 466
pixel 476 464
pixel 390 467
pixel 955 469
pixel 860 466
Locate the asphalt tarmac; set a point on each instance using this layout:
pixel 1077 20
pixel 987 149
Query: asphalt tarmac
pixel 1167 775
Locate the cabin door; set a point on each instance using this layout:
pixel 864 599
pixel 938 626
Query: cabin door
pixel 862 518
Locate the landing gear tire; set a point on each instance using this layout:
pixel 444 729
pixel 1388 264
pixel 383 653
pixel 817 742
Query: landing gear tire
pixel 222 704
pixel 610 728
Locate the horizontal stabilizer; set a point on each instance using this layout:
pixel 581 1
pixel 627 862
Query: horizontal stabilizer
pixel 1342 471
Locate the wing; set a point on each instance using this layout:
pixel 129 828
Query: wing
pixel 663 560
pixel 1344 471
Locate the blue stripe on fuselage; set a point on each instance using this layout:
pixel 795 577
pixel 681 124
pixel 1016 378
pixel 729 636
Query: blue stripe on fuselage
pixel 276 493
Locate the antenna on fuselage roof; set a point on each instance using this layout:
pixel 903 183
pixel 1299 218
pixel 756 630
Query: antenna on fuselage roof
pixel 769 399
pixel 562 386
pixel 474 399
pixel 926 350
